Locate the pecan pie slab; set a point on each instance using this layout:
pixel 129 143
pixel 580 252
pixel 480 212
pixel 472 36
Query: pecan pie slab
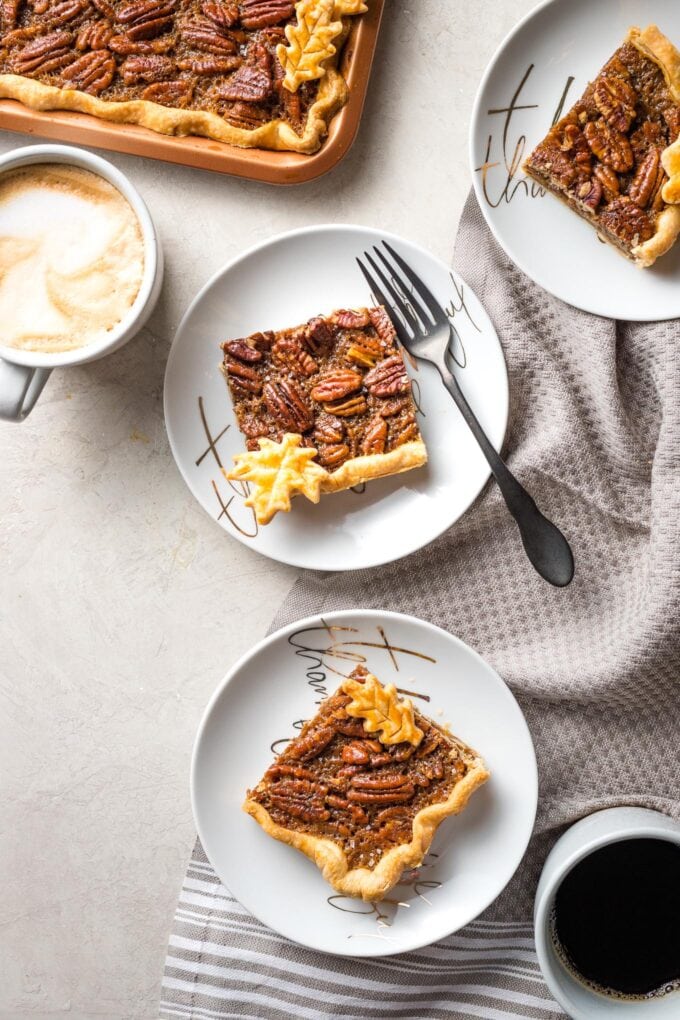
pixel 323 406
pixel 363 788
pixel 606 157
pixel 252 73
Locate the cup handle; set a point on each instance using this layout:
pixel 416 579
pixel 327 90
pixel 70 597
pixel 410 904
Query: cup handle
pixel 20 387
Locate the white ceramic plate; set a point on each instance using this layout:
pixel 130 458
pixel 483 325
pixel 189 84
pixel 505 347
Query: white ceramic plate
pixel 284 282
pixel 550 57
pixel 275 687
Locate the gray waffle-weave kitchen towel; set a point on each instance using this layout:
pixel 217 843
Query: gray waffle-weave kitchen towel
pixel 595 435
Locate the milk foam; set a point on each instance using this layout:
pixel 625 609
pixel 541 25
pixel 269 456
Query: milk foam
pixel 71 258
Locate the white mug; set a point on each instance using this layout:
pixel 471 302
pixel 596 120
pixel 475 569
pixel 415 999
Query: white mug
pixel 23 374
pixel 589 834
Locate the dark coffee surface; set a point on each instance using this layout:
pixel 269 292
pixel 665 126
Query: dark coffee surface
pixel 617 917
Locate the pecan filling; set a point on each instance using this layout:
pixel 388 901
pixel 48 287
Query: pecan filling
pixel 216 56
pixel 339 381
pixel 604 156
pixel 339 782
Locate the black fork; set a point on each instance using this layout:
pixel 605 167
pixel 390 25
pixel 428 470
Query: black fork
pixel 425 331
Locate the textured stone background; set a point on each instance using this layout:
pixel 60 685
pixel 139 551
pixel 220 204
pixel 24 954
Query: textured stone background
pixel 121 603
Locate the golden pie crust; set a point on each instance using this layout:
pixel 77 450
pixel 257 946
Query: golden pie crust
pixel 638 217
pixel 373 883
pixel 332 94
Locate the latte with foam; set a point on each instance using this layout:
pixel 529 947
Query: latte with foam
pixel 71 258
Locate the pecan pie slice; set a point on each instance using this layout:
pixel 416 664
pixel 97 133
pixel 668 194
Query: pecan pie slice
pixel 363 788
pixel 249 72
pixel 323 407
pixel 606 157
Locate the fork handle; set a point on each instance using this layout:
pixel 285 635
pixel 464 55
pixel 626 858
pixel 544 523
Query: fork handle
pixel 544 544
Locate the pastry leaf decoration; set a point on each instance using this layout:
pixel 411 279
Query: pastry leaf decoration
pixel 311 38
pixel 276 472
pixel 671 164
pixel 383 711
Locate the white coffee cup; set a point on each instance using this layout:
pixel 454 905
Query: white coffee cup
pixel 23 374
pixel 589 834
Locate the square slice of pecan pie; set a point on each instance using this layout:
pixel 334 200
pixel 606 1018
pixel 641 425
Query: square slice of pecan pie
pixel 606 157
pixel 323 406
pixel 363 788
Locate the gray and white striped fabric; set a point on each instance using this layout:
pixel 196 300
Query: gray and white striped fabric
pixel 594 434
pixel 224 963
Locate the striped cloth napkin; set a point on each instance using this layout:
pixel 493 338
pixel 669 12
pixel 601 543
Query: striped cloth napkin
pixel 595 434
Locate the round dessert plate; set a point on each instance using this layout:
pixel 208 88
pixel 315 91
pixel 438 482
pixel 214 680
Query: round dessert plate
pixel 284 282
pixel 538 73
pixel 261 703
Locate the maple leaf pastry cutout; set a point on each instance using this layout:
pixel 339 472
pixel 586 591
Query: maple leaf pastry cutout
pixel 277 472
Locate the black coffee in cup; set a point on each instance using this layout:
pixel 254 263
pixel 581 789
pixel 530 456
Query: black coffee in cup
pixel 616 922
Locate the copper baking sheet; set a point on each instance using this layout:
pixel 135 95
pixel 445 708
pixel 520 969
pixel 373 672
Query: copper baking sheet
pixel 206 154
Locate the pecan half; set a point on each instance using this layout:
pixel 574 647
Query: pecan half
pixel 407 434
pixel 92 72
pixel 125 47
pixel 328 429
pixel 146 69
pixel 395 796
pixel 320 334
pixel 243 351
pixel 342 804
pixel 262 13
pixel 349 406
pixel 609 181
pixel 244 376
pixel 332 455
pixel 67 10
pixel 287 405
pixel 95 35
pixel 355 753
pixel 313 744
pixel 376 437
pixel 204 35
pixel 388 378
pixel 574 142
pixel 382 324
pixel 609 145
pixel 627 221
pixel 350 319
pixel 300 787
pixel 392 407
pixel 386 781
pixel 209 65
pixel 47 53
pixel 364 350
pixel 289 352
pixel 392 814
pixel 429 744
pixel 350 727
pixel 249 85
pixel 589 194
pixel 9 11
pixel 222 12
pixel 145 19
pixel 336 385
pixel 305 810
pixel 275 772
pixel 177 94
pixel 648 179
pixel 615 100
pixel 247 116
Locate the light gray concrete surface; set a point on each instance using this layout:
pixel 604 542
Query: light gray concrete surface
pixel 122 603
